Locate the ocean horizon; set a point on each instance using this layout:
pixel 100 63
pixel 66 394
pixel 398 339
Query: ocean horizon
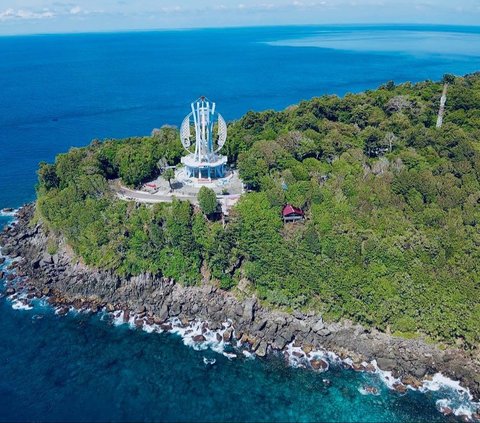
pixel 64 90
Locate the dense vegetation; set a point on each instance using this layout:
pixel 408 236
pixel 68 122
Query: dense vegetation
pixel 392 238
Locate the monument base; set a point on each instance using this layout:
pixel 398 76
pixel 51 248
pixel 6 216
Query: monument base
pixel 214 169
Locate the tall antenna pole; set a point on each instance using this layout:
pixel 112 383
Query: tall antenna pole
pixel 443 100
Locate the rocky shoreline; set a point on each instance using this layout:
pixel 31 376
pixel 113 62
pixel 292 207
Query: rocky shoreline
pixel 151 300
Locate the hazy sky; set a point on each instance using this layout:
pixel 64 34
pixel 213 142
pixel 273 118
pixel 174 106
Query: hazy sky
pixel 41 16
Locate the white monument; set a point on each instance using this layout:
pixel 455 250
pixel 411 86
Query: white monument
pixel 203 133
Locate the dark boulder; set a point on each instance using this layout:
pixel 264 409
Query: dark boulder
pixel 386 363
pixel 298 315
pixel 199 338
pixel 412 381
pixel 324 332
pixel 62 311
pixel 7 250
pixel 238 310
pixel 261 351
pixel 419 371
pixel 271 330
pixel 249 310
pixel 318 364
pixel 287 333
pixel 10 291
pixel 260 325
pixel 318 326
pixel 358 367
pixel 166 327
pixel 175 309
pixel 227 335
pixel 163 313
pixel 399 387
pixel 77 303
pixel 307 348
pixel 370 389
pixel 446 411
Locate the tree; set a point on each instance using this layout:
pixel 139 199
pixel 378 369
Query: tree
pixel 168 175
pixel 448 78
pixel 390 139
pixel 251 169
pixel 162 164
pixel 374 141
pixel 47 176
pixel 136 163
pixel 207 199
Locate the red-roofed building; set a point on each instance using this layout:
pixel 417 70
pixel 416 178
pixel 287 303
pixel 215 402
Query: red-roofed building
pixel 292 214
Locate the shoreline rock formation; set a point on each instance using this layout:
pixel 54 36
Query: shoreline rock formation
pixel 156 300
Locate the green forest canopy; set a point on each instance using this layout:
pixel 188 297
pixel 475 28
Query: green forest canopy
pixel 392 237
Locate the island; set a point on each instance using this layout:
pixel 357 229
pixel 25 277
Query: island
pixel 352 227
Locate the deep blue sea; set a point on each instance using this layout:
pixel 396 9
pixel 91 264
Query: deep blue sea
pixel 58 91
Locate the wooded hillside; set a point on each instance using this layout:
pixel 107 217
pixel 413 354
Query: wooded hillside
pixel 392 238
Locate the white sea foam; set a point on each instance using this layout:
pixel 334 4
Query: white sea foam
pixel 442 403
pixel 296 357
pixel 150 328
pixel 19 304
pixel 195 329
pixel 212 340
pixel 230 355
pixel 386 376
pixel 364 390
pixel 440 381
pixel 209 361
pixel 117 318
pixel 248 354
pixel 9 213
pixel 460 400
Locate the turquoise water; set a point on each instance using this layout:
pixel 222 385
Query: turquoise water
pixel 82 368
pixel 62 91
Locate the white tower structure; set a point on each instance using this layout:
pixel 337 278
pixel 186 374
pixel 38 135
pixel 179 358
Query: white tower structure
pixel 203 133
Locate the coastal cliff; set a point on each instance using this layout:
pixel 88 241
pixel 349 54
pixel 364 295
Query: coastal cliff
pixel 67 282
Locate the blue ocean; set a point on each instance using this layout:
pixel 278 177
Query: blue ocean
pixel 59 91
